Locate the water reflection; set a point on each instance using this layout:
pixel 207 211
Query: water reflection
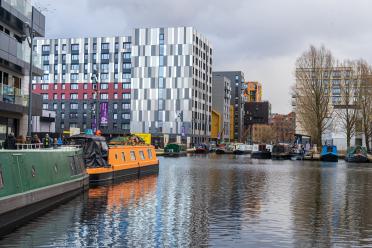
pixel 222 201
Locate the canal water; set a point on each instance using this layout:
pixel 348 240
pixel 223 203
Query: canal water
pixel 218 201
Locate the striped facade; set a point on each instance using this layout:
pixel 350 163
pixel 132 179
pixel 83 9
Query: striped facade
pixel 67 88
pixel 172 84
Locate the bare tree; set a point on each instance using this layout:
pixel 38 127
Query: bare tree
pixel 311 91
pixel 347 108
pixel 365 100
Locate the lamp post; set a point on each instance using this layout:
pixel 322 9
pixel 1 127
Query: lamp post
pixel 30 41
pixel 96 101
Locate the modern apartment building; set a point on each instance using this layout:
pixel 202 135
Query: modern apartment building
pixel 221 100
pixel 15 19
pixel 87 80
pixel 252 91
pixel 172 84
pixel 237 99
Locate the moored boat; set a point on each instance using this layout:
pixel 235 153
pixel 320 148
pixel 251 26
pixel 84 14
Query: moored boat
pixel 221 149
pixel 329 153
pixel 202 148
pixel 122 157
pixel 281 151
pixel 242 149
pixel 33 180
pixel 260 152
pixel 357 154
pixel 175 150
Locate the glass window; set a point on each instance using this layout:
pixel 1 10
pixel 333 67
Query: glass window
pixel 85 96
pixel 105 56
pixel 74 106
pixel 75 47
pixel 45 57
pixel 115 116
pixel 103 96
pixel 45 106
pixel 126 95
pixel 115 95
pixel 55 77
pixel 104 86
pixel 55 86
pixel 55 106
pixel 46 77
pixel 104 67
pixel 127 65
pixel 85 106
pixel 105 46
pixel 74 96
pixel 74 86
pixel 63 96
pixel 123 156
pixel 115 86
pixel 125 106
pixel 126 85
pixel 127 45
pixel 75 66
pixel 55 96
pixel 116 46
pixel 104 76
pixel 86 46
pixel 142 155
pixel 149 153
pixel 74 76
pixel 125 116
pixel 45 96
pixel 126 75
pixel 132 155
pixel 1 179
pixel 74 57
pixel 125 126
pixel 116 76
pixel 44 86
pixel 85 86
pixel 126 55
pixel 62 106
pixel 45 48
pixel 62 125
pixel 63 47
pixel 115 106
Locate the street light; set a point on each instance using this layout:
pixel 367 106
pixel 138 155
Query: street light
pixel 95 88
pixel 30 41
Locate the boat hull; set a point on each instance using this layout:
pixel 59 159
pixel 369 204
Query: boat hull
pixel 329 157
pixel 240 152
pixel 357 159
pixel 220 151
pixel 280 156
pixel 261 155
pixel 174 154
pixel 201 151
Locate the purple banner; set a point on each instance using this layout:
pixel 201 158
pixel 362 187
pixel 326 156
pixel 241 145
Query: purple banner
pixel 103 113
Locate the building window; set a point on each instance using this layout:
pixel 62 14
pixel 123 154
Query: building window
pixel 45 48
pixel 116 76
pixel 45 96
pixel 46 68
pixel 74 86
pixel 64 47
pixel 85 96
pixel 104 76
pixel 74 106
pixel 125 106
pixel 73 125
pixel 45 57
pixel 33 86
pixel 104 67
pixel 125 116
pixel 46 77
pixel 104 86
pixel 62 125
pixel 75 47
pixel 125 126
pixel 115 95
pixel 105 56
pixel 85 86
pixel 103 96
pixel 115 116
pixel 127 66
pixel 161 39
pixel 126 75
pixel 63 78
pixel 126 95
pixel 116 46
pixel 126 55
pixel 94 46
pixel 44 86
pixel 63 96
pixel 127 45
pixel 45 106
pixel 74 76
pixel 63 67
pixel 85 76
pixel 62 106
pixel 74 57
pixel 115 86
pixel 55 106
pixel 105 46
pixel 55 77
pixel 55 96
pixel 126 86
pixel 74 96
pixel 75 67
pixel 115 106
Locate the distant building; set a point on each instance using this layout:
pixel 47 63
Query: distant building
pixel 221 98
pixel 262 133
pixel 284 127
pixel 44 123
pixel 255 113
pixel 172 84
pixel 216 125
pixel 237 99
pixel 67 86
pixel 252 91
pixel 15 16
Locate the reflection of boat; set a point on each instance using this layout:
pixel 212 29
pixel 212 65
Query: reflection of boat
pixel 118 159
pixel 357 154
pixel 261 152
pixel 242 148
pixel 329 153
pixel 202 148
pixel 281 151
pixel 32 180
pixel 175 150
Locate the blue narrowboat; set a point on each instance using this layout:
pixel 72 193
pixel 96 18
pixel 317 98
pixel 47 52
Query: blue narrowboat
pixel 329 153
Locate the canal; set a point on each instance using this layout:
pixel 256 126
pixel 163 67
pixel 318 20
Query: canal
pixel 219 201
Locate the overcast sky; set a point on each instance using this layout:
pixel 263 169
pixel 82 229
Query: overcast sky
pixel 262 38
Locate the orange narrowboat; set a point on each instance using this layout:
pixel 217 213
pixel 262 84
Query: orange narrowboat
pixel 115 160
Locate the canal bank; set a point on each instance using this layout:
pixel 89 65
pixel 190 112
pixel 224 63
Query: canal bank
pixel 219 201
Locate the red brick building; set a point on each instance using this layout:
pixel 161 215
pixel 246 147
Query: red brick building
pixel 284 127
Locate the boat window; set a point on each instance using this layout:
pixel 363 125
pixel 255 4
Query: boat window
pixel 142 155
pixel 33 171
pixel 1 179
pixel 149 153
pixel 132 155
pixel 123 156
pixel 55 168
pixel 116 156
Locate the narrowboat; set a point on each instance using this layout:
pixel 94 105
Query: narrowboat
pixel 221 149
pixel 175 150
pixel 281 151
pixel 118 159
pixel 329 153
pixel 260 152
pixel 242 149
pixel 202 148
pixel 357 154
pixel 34 180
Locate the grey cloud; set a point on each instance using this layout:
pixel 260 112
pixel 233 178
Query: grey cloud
pixel 261 38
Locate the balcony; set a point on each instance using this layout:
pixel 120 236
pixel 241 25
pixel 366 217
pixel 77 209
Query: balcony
pixel 22 6
pixel 12 95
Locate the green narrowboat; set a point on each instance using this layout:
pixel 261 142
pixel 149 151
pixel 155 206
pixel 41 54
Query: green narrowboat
pixel 175 150
pixel 34 180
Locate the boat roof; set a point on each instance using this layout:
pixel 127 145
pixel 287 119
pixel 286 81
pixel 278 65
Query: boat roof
pixel 87 136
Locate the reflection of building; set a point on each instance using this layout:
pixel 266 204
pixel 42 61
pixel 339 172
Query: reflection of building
pixel 253 91
pixel 15 16
pixel 284 127
pixel 237 99
pixel 221 98
pixel 67 88
pixel 172 83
